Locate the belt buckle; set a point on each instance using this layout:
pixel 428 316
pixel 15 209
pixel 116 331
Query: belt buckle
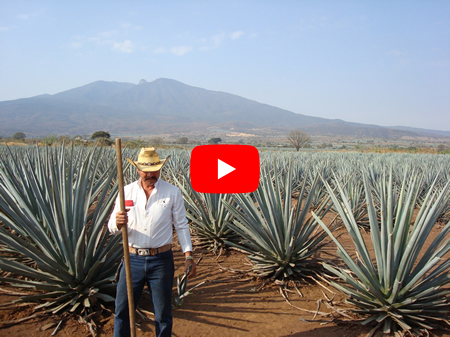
pixel 143 252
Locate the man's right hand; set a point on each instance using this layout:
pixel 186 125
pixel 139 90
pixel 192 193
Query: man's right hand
pixel 121 219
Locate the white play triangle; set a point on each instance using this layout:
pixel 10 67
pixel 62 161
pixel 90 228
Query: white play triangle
pixel 223 169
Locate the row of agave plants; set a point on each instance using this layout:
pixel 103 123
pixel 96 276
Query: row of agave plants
pixel 54 203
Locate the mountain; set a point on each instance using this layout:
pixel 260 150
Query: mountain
pixel 166 106
pixel 96 93
pixel 426 132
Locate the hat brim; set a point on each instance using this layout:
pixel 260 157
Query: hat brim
pixel 149 168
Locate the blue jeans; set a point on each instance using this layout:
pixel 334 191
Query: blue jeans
pixel 157 272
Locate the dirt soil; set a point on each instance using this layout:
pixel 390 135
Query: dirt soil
pixel 226 304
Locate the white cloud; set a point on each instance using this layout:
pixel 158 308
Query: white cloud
pixel 26 16
pixel 105 38
pixel 217 40
pixel 180 50
pixel 160 50
pixel 214 42
pixel 108 34
pixel 237 34
pixel 206 44
pixel 404 61
pixel 397 52
pixel 95 39
pixel 176 50
pixel 125 46
pixel 77 42
pixel 76 45
pixel 4 29
pixel 101 39
pixel 401 56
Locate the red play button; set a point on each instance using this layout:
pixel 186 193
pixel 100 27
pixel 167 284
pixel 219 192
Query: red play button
pixel 225 168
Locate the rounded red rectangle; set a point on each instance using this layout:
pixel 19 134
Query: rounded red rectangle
pixel 225 168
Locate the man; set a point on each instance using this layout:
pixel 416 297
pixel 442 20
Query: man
pixel 153 205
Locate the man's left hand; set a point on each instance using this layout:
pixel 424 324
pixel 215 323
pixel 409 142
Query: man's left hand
pixel 193 268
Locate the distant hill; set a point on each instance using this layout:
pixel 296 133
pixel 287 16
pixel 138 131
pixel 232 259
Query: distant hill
pixel 168 106
pixel 424 132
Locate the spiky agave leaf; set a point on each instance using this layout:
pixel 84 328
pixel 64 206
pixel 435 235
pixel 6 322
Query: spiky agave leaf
pixel 53 206
pixel 282 239
pixel 181 287
pixel 398 289
pixel 354 190
pixel 208 213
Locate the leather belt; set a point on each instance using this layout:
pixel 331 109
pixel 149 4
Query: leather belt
pixel 150 251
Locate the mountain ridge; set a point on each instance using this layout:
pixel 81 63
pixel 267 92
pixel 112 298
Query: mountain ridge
pixel 166 104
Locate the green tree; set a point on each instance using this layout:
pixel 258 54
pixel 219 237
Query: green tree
pixel 100 134
pixel 79 140
pixel 102 137
pixel 182 140
pixel 105 141
pixel 65 139
pixel 19 136
pixel 214 140
pixel 136 144
pixel 441 148
pixel 156 142
pixel 49 140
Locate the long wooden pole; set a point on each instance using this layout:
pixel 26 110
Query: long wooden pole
pixel 126 252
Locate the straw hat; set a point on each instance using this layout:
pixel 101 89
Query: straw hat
pixel 148 160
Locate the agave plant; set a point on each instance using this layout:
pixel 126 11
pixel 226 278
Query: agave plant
pixel 282 240
pixel 398 289
pixel 444 175
pixel 316 189
pixel 354 191
pixel 209 215
pixel 53 206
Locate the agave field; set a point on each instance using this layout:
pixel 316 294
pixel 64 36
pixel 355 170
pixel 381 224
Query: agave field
pixel 55 202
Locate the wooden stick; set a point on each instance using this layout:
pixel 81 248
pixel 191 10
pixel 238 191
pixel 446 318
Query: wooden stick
pixel 126 252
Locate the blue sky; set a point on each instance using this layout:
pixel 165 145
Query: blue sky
pixel 374 62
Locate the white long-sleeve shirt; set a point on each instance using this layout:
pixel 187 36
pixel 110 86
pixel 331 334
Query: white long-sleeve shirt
pixel 150 221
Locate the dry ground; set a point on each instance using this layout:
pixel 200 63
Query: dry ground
pixel 227 304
